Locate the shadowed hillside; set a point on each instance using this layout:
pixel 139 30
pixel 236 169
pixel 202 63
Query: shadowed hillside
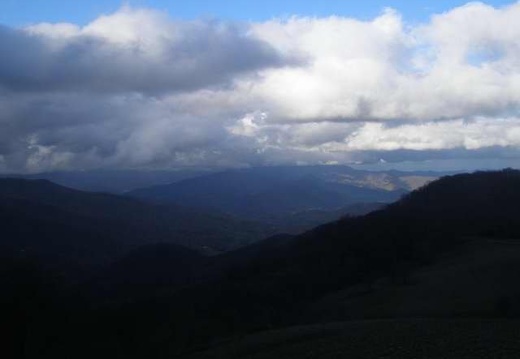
pixel 446 251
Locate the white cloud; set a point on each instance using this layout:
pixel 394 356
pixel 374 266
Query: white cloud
pixel 464 63
pixel 138 89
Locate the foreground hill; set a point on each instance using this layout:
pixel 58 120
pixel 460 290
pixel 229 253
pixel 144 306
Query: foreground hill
pixel 476 280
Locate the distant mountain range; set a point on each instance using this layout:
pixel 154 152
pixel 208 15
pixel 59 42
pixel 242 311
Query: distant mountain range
pixel 288 199
pixel 272 193
pixel 121 181
pixel 113 181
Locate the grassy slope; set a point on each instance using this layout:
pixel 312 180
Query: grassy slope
pixel 476 282
pixel 399 339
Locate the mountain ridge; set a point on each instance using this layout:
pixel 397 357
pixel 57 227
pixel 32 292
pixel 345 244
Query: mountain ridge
pixel 257 193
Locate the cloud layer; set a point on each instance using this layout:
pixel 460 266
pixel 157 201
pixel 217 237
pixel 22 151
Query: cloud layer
pixel 136 89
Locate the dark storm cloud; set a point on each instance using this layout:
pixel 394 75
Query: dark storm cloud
pixel 202 54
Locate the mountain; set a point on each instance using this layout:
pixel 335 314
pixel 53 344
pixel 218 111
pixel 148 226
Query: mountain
pixel 403 235
pixel 113 181
pixel 433 275
pixel 447 250
pixel 43 218
pixel 267 192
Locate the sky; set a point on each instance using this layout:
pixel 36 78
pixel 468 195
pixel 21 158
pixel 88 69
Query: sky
pixel 160 84
pixel 25 12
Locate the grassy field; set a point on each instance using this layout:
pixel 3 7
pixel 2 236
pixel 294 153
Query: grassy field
pixel 399 339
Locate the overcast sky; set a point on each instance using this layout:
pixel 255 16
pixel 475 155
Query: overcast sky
pixel 142 87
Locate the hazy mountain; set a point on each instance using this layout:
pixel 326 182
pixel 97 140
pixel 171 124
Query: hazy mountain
pixel 265 192
pixel 114 181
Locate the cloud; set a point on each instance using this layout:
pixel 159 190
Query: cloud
pixel 136 89
pixel 131 50
pixel 463 63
